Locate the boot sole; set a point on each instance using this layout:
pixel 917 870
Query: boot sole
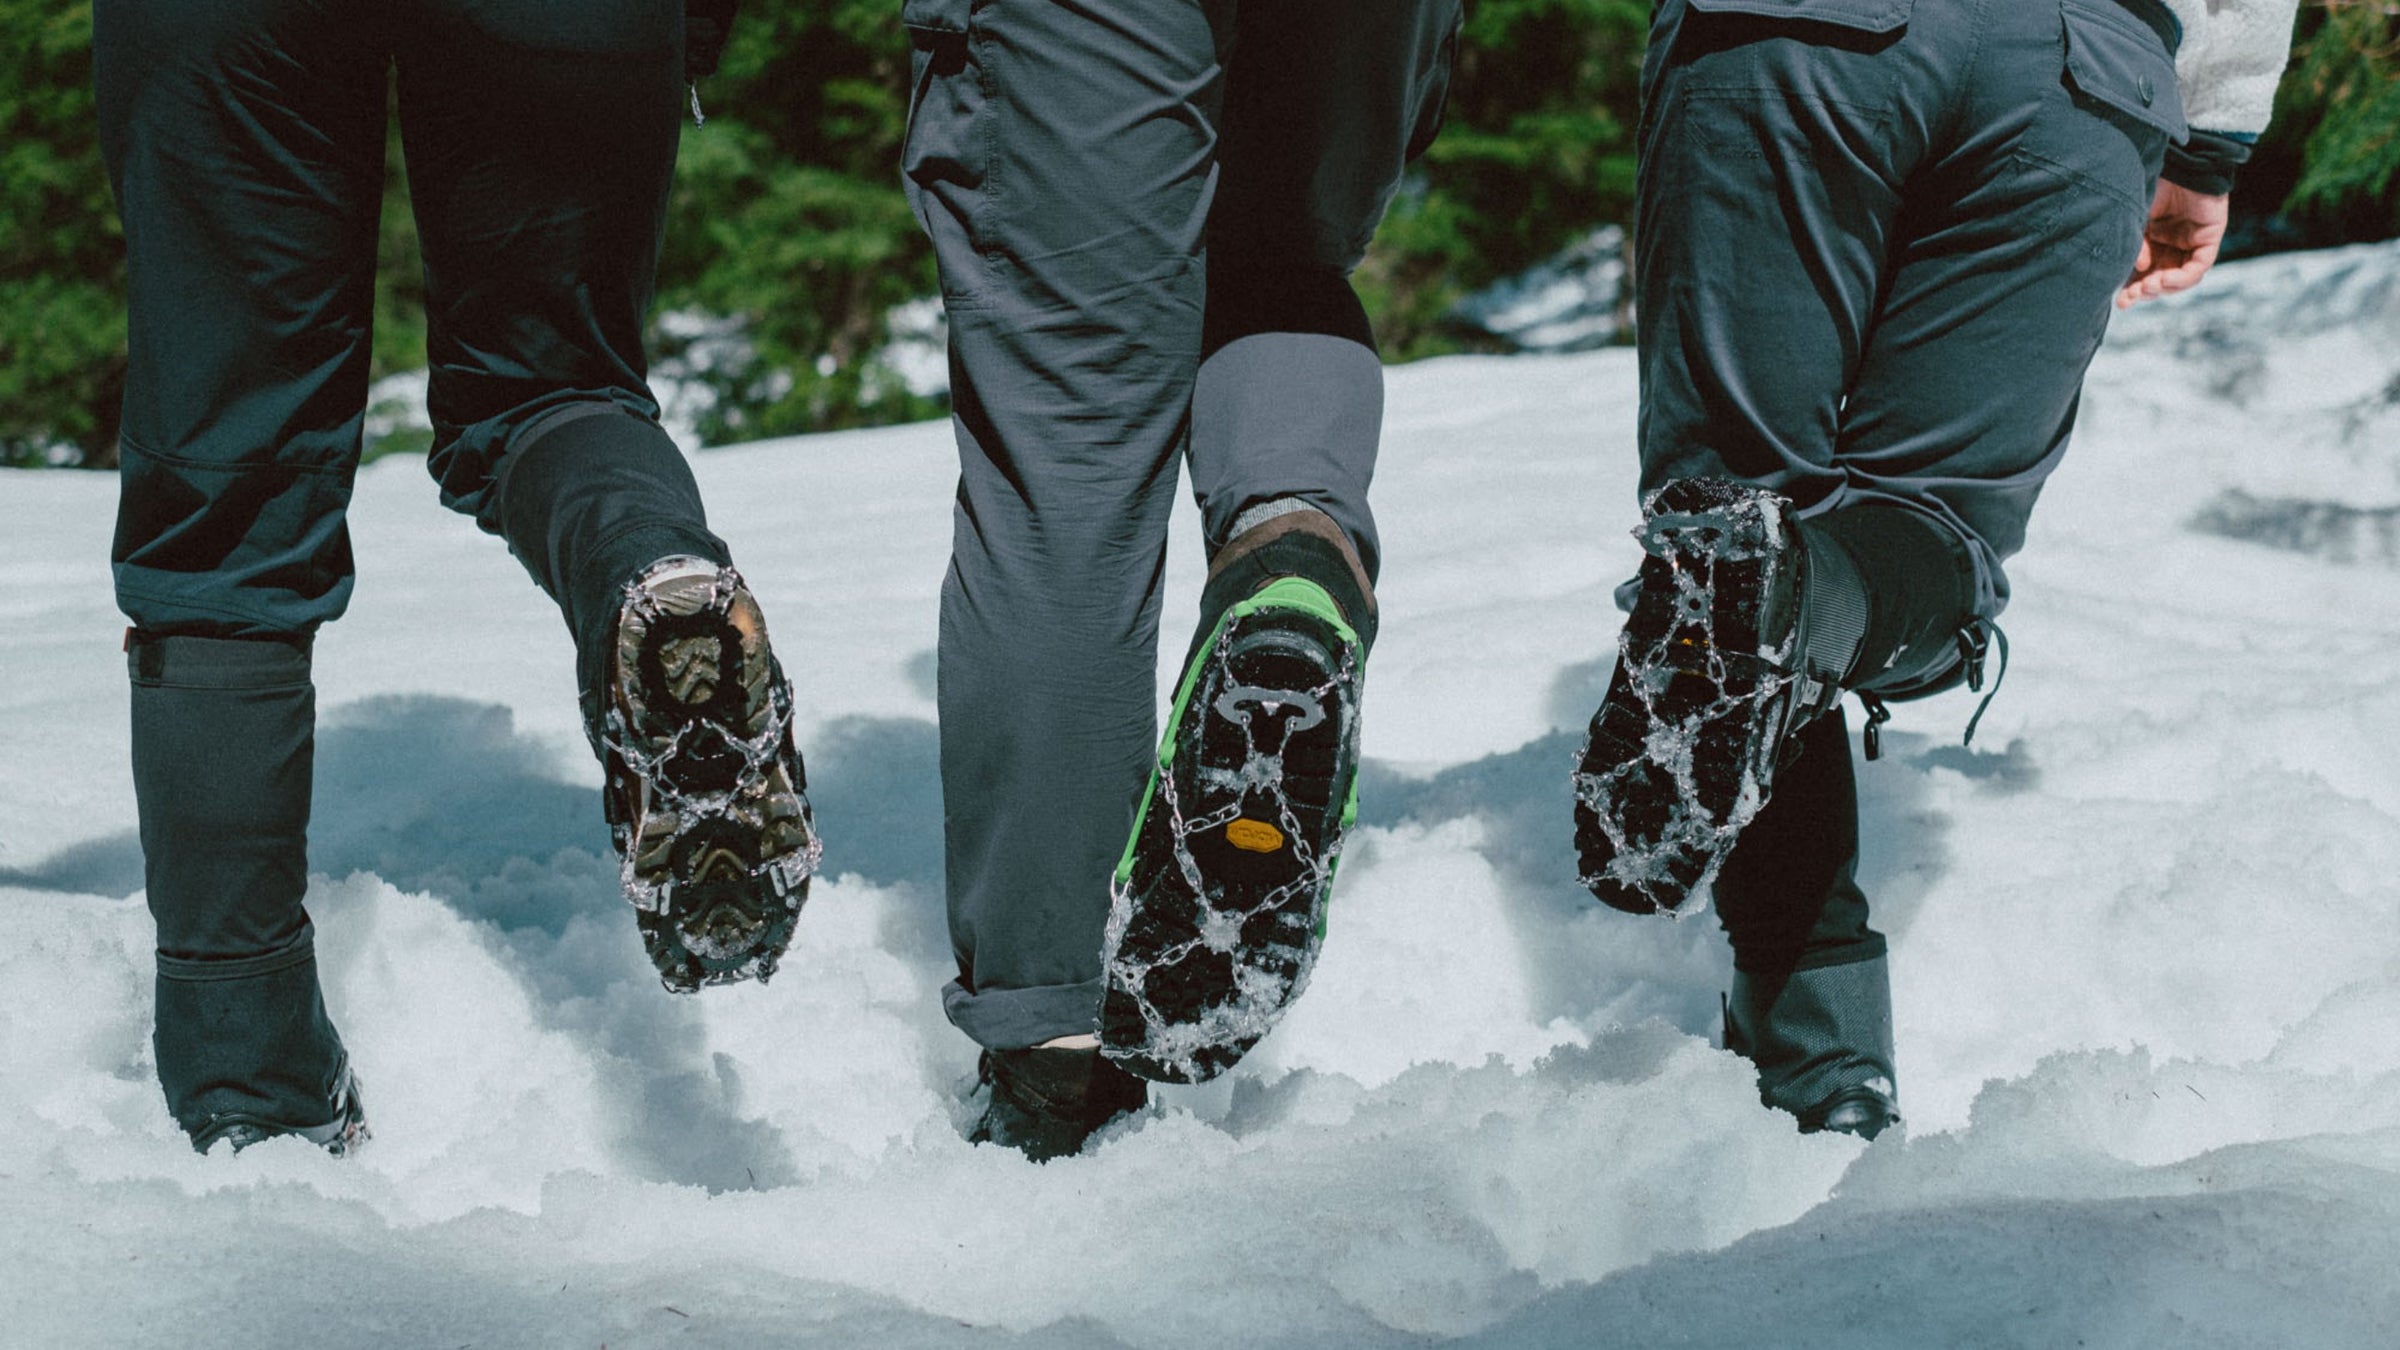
pixel 1680 755
pixel 1219 904
pixel 719 843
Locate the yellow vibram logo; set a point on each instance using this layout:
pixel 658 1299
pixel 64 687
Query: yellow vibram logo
pixel 1253 836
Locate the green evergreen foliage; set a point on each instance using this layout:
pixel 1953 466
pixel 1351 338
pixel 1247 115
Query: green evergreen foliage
pixel 399 337
pixel 2327 171
pixel 1537 148
pixel 2344 91
pixel 788 220
pixel 399 273
pixel 62 263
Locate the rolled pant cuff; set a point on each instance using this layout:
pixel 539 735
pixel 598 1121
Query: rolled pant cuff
pixel 1011 1019
pixel 1288 415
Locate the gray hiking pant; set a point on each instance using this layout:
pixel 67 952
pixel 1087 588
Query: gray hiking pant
pixel 1876 247
pixel 1146 213
pixel 1878 240
pixel 245 144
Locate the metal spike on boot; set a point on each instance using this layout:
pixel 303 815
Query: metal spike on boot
pixel 1218 910
pixel 1715 670
pixel 707 796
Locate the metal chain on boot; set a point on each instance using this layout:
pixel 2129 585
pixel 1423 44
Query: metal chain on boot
pixel 1684 749
pixel 1266 977
pixel 702 785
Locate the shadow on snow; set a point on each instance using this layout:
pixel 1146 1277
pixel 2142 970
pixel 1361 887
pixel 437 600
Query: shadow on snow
pixel 1588 961
pixel 442 796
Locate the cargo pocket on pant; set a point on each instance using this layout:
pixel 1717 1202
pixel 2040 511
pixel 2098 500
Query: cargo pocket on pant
pixel 2109 143
pixel 2122 72
pixel 947 155
pixel 1753 80
pixel 945 94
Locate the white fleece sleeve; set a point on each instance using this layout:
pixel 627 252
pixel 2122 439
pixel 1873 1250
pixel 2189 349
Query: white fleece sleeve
pixel 2232 57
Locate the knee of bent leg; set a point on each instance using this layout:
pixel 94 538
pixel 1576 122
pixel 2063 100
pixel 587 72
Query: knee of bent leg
pixel 1252 292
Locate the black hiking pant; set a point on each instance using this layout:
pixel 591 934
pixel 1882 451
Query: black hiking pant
pixel 1877 245
pixel 1146 213
pixel 245 143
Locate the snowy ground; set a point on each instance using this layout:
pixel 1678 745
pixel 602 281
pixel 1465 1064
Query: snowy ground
pixel 2146 936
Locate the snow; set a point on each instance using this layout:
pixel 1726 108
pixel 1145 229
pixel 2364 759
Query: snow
pixel 1572 302
pixel 2146 939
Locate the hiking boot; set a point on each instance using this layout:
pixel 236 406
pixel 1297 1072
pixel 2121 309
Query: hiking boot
pixel 706 797
pixel 1866 1110
pixel 1719 663
pixel 1047 1103
pixel 340 1136
pixel 1219 901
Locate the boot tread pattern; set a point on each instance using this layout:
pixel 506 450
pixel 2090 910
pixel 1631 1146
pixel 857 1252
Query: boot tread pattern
pixel 1218 909
pixel 1681 754
pixel 708 797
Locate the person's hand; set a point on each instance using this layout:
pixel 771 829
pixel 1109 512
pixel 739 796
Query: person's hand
pixel 2179 244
